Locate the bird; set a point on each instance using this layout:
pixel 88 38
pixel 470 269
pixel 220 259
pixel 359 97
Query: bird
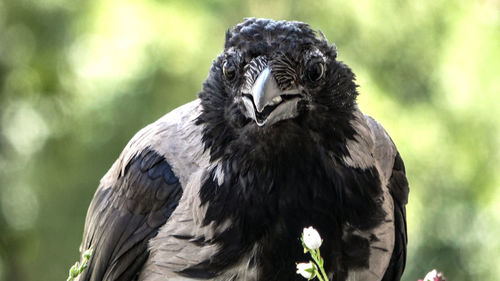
pixel 221 188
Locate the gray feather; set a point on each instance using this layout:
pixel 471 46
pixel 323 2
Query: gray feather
pixel 373 147
pixel 140 192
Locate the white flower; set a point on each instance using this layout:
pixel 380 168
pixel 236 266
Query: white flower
pixel 307 270
pixel 431 276
pixel 311 237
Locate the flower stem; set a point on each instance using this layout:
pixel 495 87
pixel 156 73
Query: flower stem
pixel 319 277
pixel 319 262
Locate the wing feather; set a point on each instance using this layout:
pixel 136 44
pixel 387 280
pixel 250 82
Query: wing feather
pixel 373 146
pixel 398 187
pixel 139 194
pixel 124 216
pixel 391 163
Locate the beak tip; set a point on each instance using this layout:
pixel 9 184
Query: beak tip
pixel 259 108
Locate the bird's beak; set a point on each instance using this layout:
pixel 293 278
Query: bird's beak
pixel 265 91
pixel 267 104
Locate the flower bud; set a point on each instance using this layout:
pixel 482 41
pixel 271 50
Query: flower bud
pixel 307 270
pixel 87 254
pixel 311 238
pixel 74 271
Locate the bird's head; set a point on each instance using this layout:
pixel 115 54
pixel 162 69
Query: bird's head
pixel 273 75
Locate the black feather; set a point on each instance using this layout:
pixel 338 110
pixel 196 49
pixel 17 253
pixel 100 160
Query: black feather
pixel 281 178
pixel 124 217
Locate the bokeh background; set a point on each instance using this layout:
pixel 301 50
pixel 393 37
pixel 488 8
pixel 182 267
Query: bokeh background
pixel 79 78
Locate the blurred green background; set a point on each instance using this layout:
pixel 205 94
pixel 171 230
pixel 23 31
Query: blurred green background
pixel 79 78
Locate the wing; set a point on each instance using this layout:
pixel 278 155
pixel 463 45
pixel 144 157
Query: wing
pixel 139 193
pixel 374 147
pixel 124 216
pixel 398 187
pixel 394 176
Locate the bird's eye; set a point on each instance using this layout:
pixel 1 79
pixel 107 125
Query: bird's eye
pixel 229 70
pixel 315 71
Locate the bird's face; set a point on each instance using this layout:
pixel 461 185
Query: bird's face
pixel 275 78
pixel 271 71
pixel 274 85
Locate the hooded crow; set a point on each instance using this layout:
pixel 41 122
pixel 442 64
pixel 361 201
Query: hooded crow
pixel 221 188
